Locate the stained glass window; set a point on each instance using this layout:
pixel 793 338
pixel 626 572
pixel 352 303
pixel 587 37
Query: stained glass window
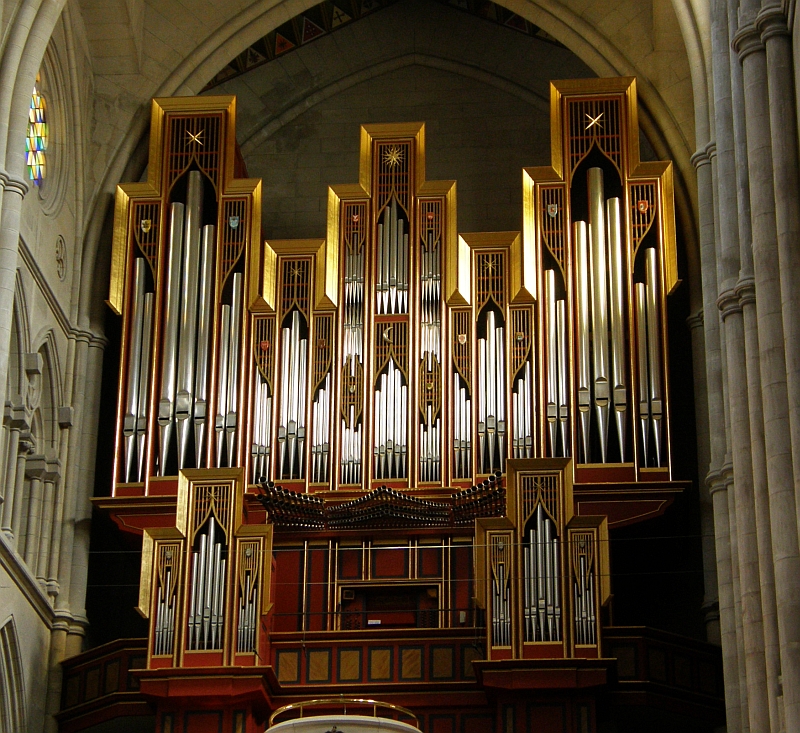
pixel 36 142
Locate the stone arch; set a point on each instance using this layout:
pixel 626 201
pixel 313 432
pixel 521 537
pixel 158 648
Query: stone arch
pixel 18 345
pixel 50 394
pixel 12 688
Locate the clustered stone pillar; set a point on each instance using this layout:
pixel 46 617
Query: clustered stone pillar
pixel 754 271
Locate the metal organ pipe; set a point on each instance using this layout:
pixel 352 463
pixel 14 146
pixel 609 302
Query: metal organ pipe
pixel 491 396
pixel 563 376
pixel 188 325
pixel 391 289
pixel 641 350
pixel 320 444
pixel 222 383
pixel 166 405
pixel 291 423
pixel 144 380
pixel 552 360
pixel 233 367
pixel 653 348
pixel 541 579
pixel 129 425
pixel 352 353
pixel 600 283
pixel 207 598
pixel 582 297
pixel 204 319
pixel 430 332
pixel 391 416
pixel 597 233
pixel 619 391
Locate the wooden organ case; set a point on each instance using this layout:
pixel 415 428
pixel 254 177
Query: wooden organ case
pixel 386 462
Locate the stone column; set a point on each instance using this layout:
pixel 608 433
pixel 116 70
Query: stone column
pixel 17 519
pixel 735 363
pixel 774 391
pixel 14 188
pixel 16 425
pixel 727 610
pixel 35 470
pixel 50 479
pixel 771 22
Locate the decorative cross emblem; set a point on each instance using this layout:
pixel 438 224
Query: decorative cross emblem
pixel 194 138
pixel 594 121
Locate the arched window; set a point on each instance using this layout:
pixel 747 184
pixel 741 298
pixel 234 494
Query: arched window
pixel 36 142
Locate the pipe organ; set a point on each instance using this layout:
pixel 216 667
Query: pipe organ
pixel 397 430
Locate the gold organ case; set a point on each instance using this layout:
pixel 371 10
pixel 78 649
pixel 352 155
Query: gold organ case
pixel 507 390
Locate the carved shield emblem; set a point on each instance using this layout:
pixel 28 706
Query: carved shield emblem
pixel 462 338
pixel 552 210
pixel 146 225
pixel 264 345
pixel 643 206
pixel 233 222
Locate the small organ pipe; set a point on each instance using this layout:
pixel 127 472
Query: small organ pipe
pixel 619 390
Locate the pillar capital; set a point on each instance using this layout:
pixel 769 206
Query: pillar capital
pixel 746 290
pixel 695 320
pixel 771 22
pixel 729 303
pixel 747 40
pixel 36 467
pixel 13 183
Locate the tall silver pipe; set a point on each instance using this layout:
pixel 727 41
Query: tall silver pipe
pixel 282 421
pixel 134 365
pixel 527 410
pixel 644 378
pixel 233 367
pixel 301 408
pixel 556 575
pixel 205 314
pixel 166 405
pixel 193 603
pixel 582 295
pixel 597 235
pixel 619 391
pixel 654 347
pixel 500 403
pixel 563 376
pixel 184 400
pixel 481 405
pixel 541 590
pixel 552 359
pixel 222 375
pixel 144 381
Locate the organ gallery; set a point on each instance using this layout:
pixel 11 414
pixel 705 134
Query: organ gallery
pixel 384 464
